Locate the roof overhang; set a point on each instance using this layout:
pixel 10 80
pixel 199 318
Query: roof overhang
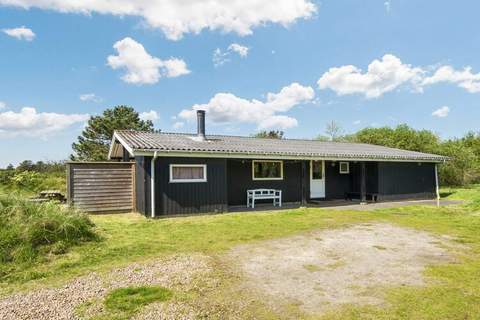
pixel 115 150
pixel 235 155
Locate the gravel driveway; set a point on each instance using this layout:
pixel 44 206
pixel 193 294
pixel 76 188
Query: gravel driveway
pixel 59 303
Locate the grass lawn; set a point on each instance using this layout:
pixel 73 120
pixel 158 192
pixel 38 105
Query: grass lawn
pixel 455 293
pixel 124 302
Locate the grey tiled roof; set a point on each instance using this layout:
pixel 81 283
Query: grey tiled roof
pixel 140 141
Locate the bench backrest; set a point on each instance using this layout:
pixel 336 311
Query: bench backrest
pixel 264 192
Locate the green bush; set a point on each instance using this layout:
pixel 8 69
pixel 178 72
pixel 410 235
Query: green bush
pixel 6 176
pixel 31 182
pixel 29 229
pixel 28 180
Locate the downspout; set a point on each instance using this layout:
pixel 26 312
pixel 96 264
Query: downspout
pixel 152 183
pixel 436 185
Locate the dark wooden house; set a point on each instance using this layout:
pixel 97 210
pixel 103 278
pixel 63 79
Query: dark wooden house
pixel 196 173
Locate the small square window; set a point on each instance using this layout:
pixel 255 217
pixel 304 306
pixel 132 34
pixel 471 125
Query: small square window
pixel 188 173
pixel 344 167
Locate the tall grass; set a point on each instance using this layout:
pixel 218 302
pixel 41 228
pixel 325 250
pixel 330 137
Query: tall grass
pixel 30 230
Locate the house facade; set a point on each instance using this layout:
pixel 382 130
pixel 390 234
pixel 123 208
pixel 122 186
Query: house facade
pixel 197 173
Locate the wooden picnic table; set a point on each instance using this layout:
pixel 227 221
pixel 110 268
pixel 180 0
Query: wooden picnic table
pixel 51 195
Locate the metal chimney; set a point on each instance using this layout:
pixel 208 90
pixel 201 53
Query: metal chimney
pixel 201 125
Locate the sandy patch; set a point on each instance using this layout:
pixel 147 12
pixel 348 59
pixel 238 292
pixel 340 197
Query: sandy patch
pixel 324 269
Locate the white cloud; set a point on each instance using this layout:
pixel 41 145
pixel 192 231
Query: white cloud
pixel 29 122
pixel 357 122
pixel 441 112
pixel 388 5
pixel 3 105
pixel 464 79
pixel 20 33
pixel 178 125
pixel 382 76
pixel 221 57
pixel 238 48
pixel 175 68
pixel 89 97
pixel 176 18
pixel 227 108
pixel 140 66
pixel 390 73
pixel 151 115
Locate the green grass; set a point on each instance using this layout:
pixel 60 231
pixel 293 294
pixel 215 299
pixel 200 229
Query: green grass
pixel 469 194
pixel 123 303
pixel 452 291
pixel 30 232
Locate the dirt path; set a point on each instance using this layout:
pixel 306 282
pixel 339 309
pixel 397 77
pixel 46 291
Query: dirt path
pixel 324 269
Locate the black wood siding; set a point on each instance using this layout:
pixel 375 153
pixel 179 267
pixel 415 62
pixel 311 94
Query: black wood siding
pixel 336 184
pixel 228 180
pixel 190 198
pixel 239 177
pixel 142 185
pixel 406 180
pixel 371 176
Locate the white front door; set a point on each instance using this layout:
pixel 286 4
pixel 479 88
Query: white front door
pixel 317 179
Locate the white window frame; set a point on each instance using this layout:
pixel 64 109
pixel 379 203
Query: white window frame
pixel 264 179
pixel 340 167
pixel 204 166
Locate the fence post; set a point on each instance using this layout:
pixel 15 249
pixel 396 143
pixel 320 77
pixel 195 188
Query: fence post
pixel 69 185
pixel 437 190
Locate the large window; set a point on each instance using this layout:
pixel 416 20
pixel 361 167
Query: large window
pixel 267 170
pixel 188 173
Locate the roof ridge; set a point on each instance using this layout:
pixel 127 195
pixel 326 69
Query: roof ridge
pixel 245 137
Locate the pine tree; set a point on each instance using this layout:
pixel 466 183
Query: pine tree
pixel 94 142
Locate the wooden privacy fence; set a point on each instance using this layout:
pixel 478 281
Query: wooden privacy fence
pixel 101 186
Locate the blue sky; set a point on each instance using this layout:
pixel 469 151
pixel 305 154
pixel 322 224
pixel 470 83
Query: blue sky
pixel 52 52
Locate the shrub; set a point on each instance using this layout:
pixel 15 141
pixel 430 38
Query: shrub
pixel 6 176
pixel 29 229
pixel 28 180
